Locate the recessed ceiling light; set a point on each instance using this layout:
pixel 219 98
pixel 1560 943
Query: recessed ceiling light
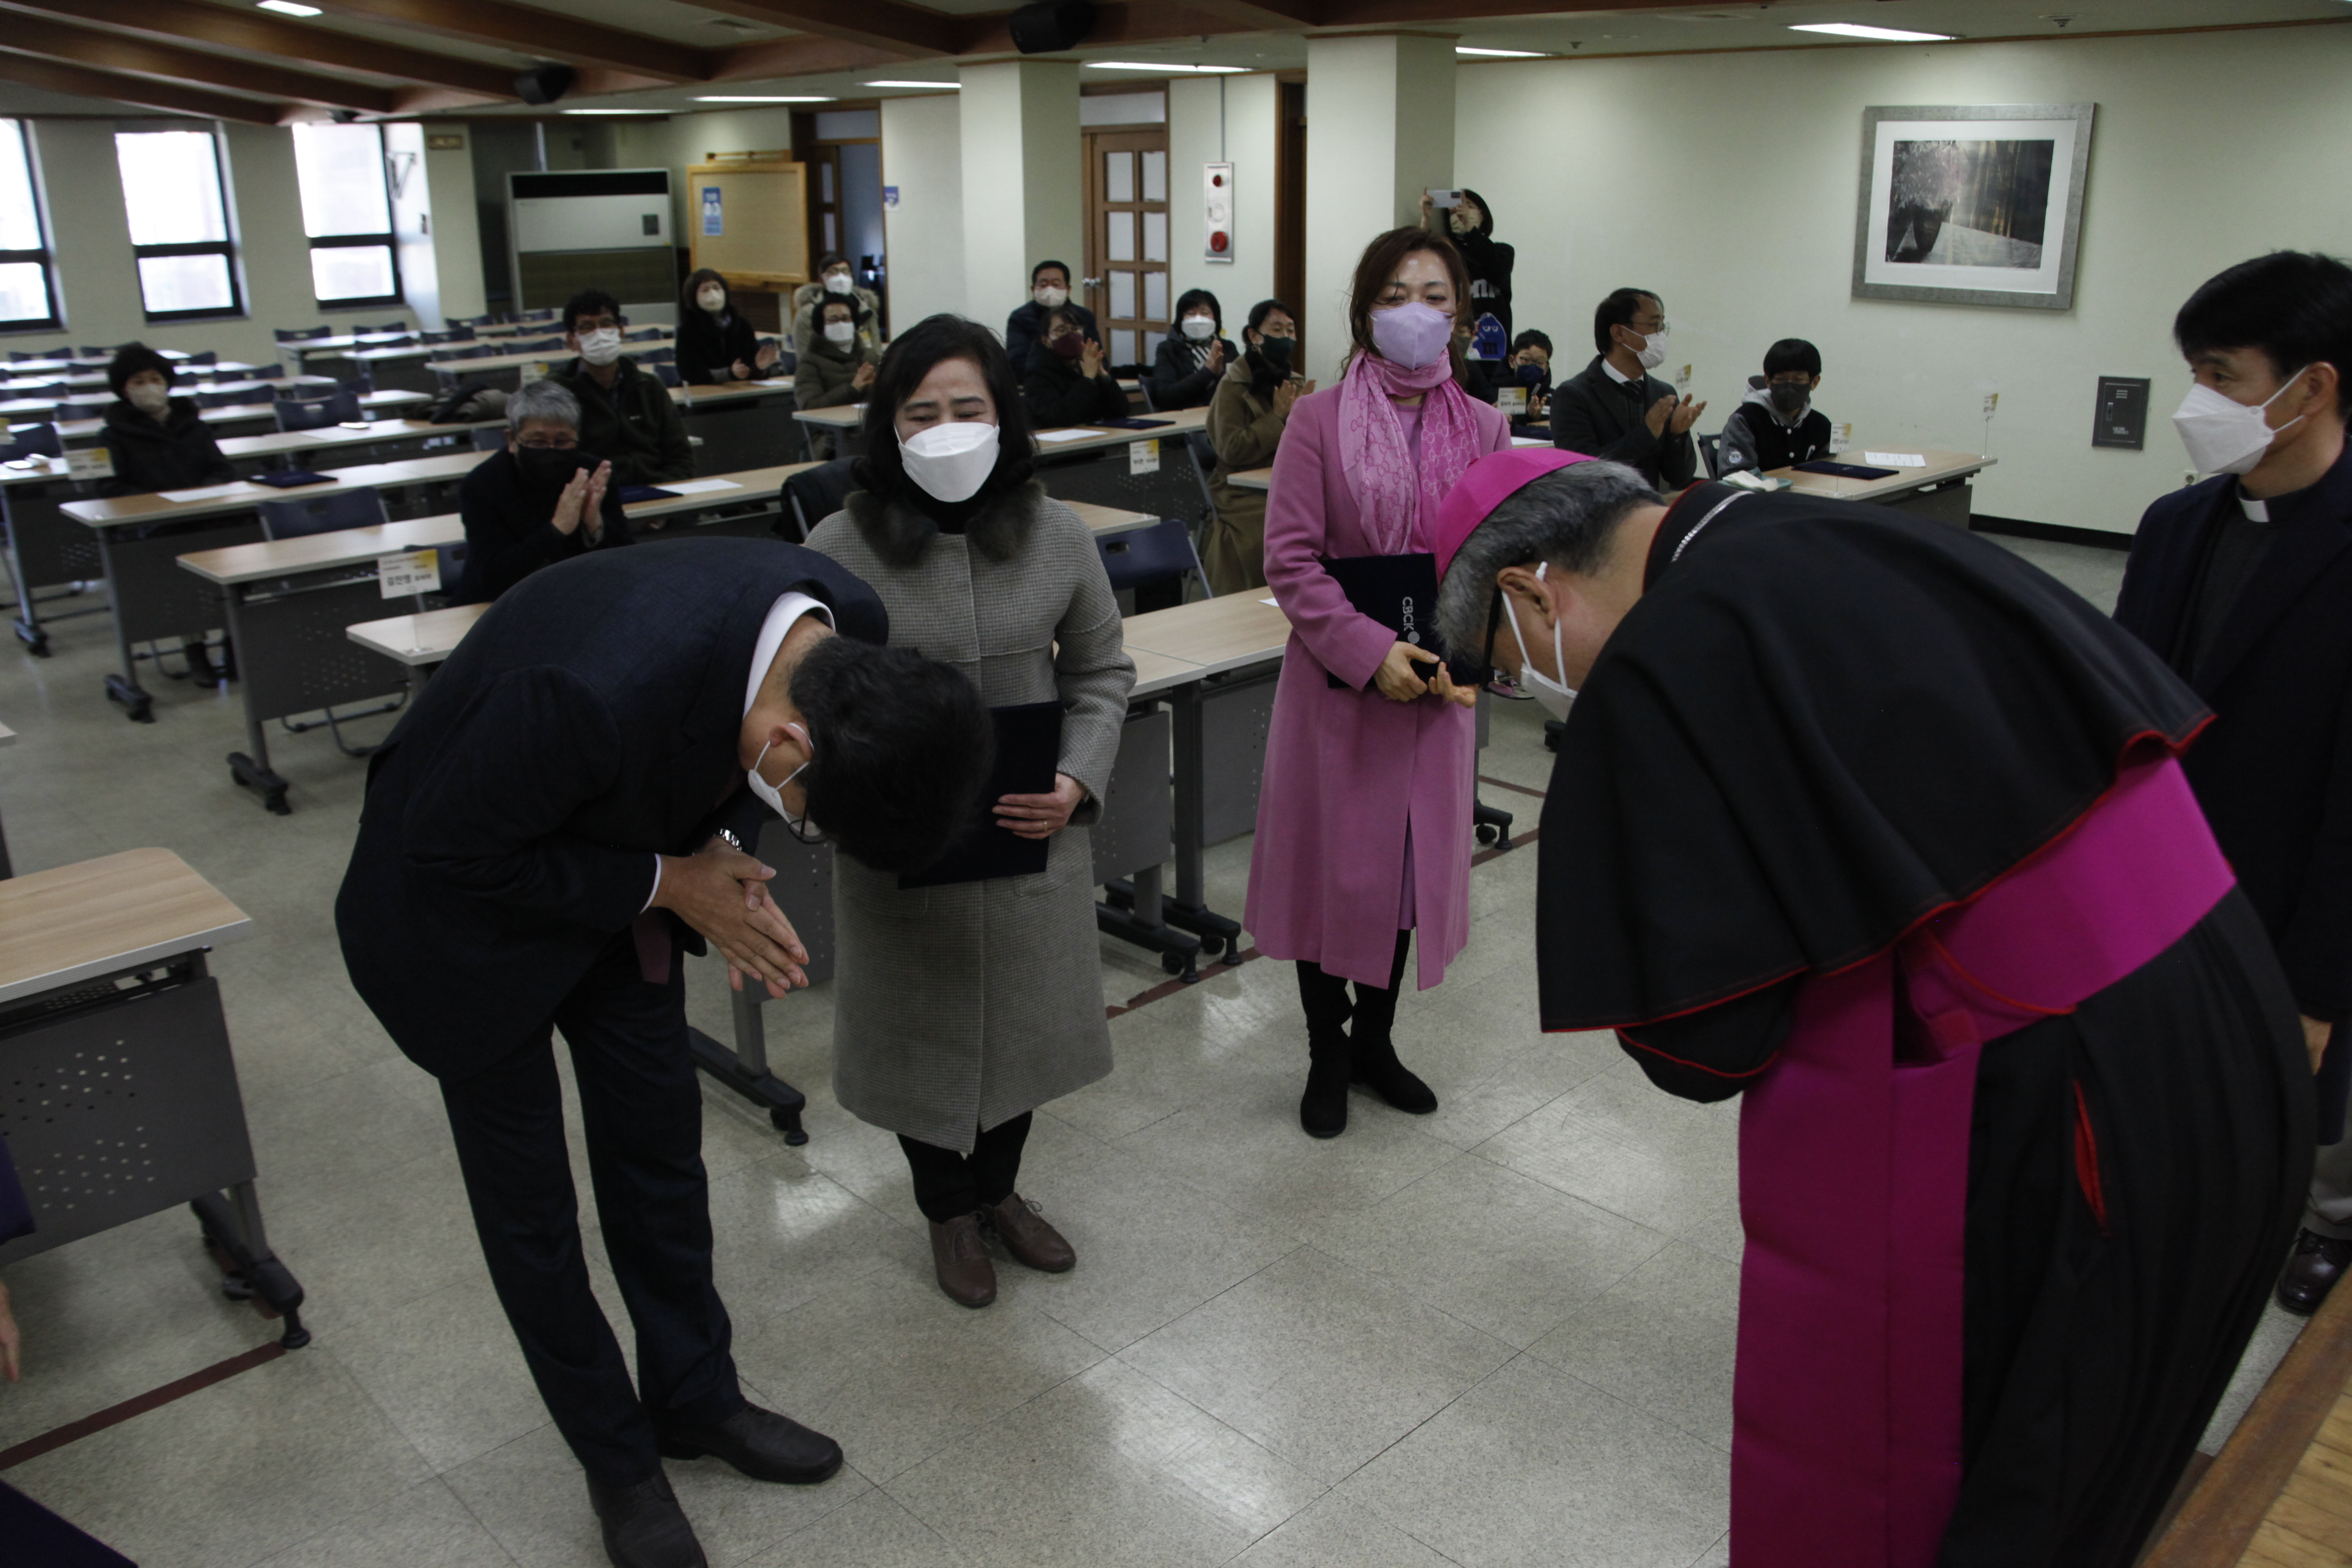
pixel 1165 66
pixel 938 86
pixel 1500 54
pixel 616 111
pixel 760 97
pixel 1880 35
pixel 287 8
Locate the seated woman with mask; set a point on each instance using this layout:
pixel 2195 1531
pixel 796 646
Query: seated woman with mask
pixel 1191 360
pixel 1065 381
pixel 159 442
pixel 715 344
pixel 1251 405
pixel 834 282
pixel 540 500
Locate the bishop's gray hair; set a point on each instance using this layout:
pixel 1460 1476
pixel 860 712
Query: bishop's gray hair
pixel 542 399
pixel 1566 518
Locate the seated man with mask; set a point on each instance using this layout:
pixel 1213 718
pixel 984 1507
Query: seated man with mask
pixel 561 812
pixel 625 414
pixel 1776 424
pixel 1615 408
pixel 1049 290
pixel 540 499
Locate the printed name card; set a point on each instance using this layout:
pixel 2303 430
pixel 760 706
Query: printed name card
pixel 411 572
pixel 1143 457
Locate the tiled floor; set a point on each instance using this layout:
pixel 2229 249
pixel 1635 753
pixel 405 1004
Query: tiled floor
pixel 1497 1335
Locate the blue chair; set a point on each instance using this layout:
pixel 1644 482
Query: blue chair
pixel 298 517
pixel 534 346
pixel 814 494
pixel 18 357
pixel 387 327
pixel 91 350
pixel 546 315
pixel 667 373
pixel 454 335
pixel 358 385
pixel 210 356
pixel 244 397
pixel 477 351
pixel 31 441
pixel 315 413
pixel 1155 552
pixel 301 334
pixel 493 439
pixel 658 356
pixel 268 372
pixel 643 335
pixel 491 320
pixel 53 389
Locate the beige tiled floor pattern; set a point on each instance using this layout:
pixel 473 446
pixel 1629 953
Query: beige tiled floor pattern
pixel 1501 1334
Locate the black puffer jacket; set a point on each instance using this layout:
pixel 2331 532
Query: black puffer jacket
pixel 176 452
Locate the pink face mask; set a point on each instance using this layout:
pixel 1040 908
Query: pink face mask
pixel 1412 334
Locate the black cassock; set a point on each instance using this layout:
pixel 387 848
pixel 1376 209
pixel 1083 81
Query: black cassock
pixel 1840 758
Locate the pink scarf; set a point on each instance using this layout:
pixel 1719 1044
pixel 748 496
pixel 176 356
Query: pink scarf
pixel 1391 493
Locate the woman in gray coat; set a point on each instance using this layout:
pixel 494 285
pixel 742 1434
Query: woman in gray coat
pixel 960 1008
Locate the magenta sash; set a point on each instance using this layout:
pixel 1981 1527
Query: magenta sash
pixel 1853 1167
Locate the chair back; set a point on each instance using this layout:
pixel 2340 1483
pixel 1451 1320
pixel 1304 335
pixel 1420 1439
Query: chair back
pixel 658 356
pixel 297 516
pixel 667 372
pixel 315 413
pixel 210 356
pixel 548 314
pixel 31 441
pixel 268 371
pixel 643 335
pixel 478 351
pixel 814 494
pixel 1711 451
pixel 477 322
pixel 301 334
pixel 387 327
pixel 491 439
pixel 453 335
pixel 50 389
pixel 531 346
pixel 239 398
pixel 1155 552
pixel 100 351
pixel 18 357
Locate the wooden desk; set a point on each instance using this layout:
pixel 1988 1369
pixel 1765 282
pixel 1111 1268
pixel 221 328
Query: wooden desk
pixel 241 496
pixel 1251 478
pixel 418 641
pixel 244 419
pixel 1214 635
pixel 1109 519
pixel 381 440
pixel 1938 489
pixel 1097 438
pixel 1156 673
pixel 272 559
pixel 103 978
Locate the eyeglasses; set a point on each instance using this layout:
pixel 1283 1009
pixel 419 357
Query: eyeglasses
pixel 551 444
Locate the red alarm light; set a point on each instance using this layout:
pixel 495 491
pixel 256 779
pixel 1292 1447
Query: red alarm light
pixel 1217 241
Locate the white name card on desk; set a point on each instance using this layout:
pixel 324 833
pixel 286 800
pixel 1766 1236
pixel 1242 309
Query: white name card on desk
pixel 205 492
pixel 1143 457
pixel 1896 460
pixel 89 463
pixel 411 572
pixel 1054 436
pixel 699 487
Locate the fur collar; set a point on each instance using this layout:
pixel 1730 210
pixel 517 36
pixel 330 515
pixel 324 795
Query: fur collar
pixel 899 534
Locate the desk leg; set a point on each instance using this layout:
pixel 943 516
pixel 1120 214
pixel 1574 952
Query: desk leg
pixel 123 688
pixel 1189 909
pixel 232 1226
pixel 252 770
pixel 28 614
pixel 744 1069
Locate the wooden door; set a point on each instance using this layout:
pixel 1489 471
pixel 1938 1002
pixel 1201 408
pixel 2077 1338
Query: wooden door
pixel 1290 207
pixel 1127 241
pixel 825 217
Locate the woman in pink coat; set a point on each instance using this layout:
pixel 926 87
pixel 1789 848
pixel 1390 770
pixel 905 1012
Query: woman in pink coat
pixel 1364 818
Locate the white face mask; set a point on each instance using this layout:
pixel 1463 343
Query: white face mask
pixel 841 333
pixel 836 282
pixel 600 347
pixel 1652 351
pixel 2224 436
pixel 149 399
pixel 951 461
pixel 1556 695
pixel 772 795
pixel 1053 299
pixel 1200 329
pixel 712 299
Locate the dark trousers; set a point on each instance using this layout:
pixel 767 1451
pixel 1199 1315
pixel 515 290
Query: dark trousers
pixel 641 1113
pixel 1324 998
pixel 948 1183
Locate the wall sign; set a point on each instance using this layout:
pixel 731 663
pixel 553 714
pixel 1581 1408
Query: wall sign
pixel 2122 418
pixel 714 218
pixel 890 197
pixel 444 142
pixel 1217 212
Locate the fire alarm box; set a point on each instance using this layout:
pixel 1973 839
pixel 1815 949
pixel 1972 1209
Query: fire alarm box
pixel 1217 212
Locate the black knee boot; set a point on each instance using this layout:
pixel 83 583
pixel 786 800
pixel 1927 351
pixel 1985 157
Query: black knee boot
pixel 1323 1108
pixel 1373 1053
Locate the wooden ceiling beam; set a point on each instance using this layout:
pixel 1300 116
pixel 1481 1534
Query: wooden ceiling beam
pixel 910 31
pixel 1117 22
pixel 294 42
pixel 542 34
pixel 807 56
pixel 55 76
pixel 137 57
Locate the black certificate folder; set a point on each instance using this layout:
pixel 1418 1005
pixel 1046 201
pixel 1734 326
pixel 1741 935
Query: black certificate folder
pixel 1398 591
pixel 1028 756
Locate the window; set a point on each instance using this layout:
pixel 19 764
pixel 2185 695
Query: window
pixel 347 213
pixel 29 296
pixel 173 191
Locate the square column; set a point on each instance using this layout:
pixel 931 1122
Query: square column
pixel 1022 181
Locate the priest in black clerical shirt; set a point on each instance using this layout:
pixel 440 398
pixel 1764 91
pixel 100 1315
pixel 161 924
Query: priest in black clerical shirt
pixel 1862 817
pixel 2243 585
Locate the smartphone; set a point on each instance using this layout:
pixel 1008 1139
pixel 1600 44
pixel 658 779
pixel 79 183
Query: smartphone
pixel 1445 198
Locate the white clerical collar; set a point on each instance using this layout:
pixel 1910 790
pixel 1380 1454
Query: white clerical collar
pixel 781 616
pixel 2255 511
pixel 1615 374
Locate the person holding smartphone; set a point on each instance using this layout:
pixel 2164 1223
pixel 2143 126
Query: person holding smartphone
pixel 1363 816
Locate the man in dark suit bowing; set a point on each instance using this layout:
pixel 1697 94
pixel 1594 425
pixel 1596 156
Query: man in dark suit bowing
pixel 2243 585
pixel 561 810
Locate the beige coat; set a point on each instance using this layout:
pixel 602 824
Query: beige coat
pixel 957 1008
pixel 1244 429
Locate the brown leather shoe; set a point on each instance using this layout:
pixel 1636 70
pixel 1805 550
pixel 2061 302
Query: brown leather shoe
pixel 1028 1238
pixel 2318 1262
pixel 961 1259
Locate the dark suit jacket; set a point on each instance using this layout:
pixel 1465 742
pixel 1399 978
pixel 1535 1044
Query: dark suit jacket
pixel 1026 326
pixel 2274 771
pixel 507 534
pixel 1590 413
pixel 587 723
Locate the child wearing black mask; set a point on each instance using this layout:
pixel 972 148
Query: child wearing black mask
pixel 1776 424
pixel 1529 366
pixel 538 501
pixel 1246 415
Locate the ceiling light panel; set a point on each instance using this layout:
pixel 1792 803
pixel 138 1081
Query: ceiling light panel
pixel 1875 35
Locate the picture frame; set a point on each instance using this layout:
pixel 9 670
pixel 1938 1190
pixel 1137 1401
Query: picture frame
pixel 1973 204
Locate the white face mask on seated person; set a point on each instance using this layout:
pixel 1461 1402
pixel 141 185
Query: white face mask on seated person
pixel 713 299
pixel 1050 296
pixel 1200 329
pixel 836 282
pixel 148 397
pixel 949 462
pixel 600 347
pixel 841 334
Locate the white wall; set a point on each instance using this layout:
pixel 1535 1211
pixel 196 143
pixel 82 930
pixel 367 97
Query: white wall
pixel 1020 143
pixel 1728 183
pixel 682 140
pixel 457 230
pixel 1249 121
pixel 922 155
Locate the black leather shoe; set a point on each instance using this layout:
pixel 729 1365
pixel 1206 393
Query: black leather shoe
pixel 643 1526
pixel 762 1444
pixel 2318 1262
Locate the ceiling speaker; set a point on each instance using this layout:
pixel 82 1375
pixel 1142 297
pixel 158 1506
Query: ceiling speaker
pixel 1050 26
pixel 545 84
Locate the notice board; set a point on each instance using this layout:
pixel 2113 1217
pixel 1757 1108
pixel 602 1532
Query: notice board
pixel 747 215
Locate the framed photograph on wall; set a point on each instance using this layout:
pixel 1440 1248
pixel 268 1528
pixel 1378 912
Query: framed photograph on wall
pixel 1972 204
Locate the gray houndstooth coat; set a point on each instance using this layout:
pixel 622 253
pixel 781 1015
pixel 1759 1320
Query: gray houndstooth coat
pixel 957 1008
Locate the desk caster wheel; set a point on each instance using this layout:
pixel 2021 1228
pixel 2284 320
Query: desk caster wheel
pixel 1173 962
pixel 788 1122
pixel 35 640
pixel 1487 834
pixel 1212 944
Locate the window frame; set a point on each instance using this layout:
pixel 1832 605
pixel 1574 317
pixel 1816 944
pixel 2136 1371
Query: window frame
pixel 44 255
pixel 225 248
pixel 389 239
